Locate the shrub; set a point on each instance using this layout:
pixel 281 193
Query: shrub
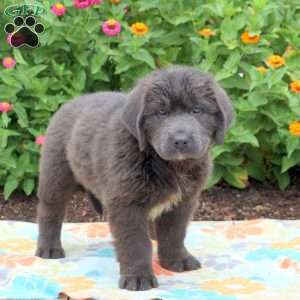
pixel 234 40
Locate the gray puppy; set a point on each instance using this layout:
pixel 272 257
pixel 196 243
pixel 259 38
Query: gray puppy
pixel 144 156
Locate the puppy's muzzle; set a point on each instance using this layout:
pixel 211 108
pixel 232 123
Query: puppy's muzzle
pixel 182 144
pixel 181 141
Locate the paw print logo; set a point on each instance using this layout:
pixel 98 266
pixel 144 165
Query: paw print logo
pixel 24 32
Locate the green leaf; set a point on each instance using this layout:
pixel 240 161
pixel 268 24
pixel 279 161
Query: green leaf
pixel 217 150
pixel 144 56
pixel 259 4
pixel 233 60
pixel 5 119
pixel 10 185
pixel 228 30
pixel 235 82
pixel 18 57
pixel 223 73
pixel 4 134
pixel 228 159
pixel 256 170
pixel 292 143
pixel 148 5
pixel 243 105
pixel 274 76
pixel 283 180
pixel 34 71
pixel 22 115
pixel 79 79
pixel 10 80
pixel 23 164
pixel 215 177
pixel 236 177
pixel 98 61
pixel 257 99
pixel 245 137
pixel 289 161
pixel 294 103
pixel 7 161
pixel 8 93
pixel 28 186
pixel 125 63
pixel 82 59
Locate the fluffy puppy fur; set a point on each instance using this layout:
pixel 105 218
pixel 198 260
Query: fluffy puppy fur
pixel 144 156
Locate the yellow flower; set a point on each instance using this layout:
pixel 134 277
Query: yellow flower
pixel 233 286
pixel 207 32
pixel 139 28
pixel 275 61
pixel 248 38
pixel 295 86
pixel 262 70
pixel 294 128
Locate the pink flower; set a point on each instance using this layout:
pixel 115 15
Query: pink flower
pixel 81 4
pixel 8 39
pixel 5 107
pixel 58 9
pixel 95 2
pixel 8 62
pixel 40 140
pixel 111 27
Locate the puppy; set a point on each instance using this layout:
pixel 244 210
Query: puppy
pixel 144 156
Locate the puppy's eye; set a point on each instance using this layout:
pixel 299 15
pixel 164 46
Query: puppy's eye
pixel 196 109
pixel 163 113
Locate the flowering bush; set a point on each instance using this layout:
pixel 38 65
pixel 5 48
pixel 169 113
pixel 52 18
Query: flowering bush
pixel 251 47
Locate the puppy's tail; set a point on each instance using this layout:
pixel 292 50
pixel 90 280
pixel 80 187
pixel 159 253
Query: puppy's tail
pixel 96 203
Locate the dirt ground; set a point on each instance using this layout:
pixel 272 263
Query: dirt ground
pixel 222 202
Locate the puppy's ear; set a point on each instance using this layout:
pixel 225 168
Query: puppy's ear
pixel 132 115
pixel 226 112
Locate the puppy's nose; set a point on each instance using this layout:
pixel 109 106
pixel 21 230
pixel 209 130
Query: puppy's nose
pixel 181 141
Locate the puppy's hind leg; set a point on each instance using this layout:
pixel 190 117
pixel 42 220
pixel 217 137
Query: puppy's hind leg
pixel 96 203
pixel 56 187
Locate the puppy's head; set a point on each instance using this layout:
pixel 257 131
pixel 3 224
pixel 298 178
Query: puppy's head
pixel 179 111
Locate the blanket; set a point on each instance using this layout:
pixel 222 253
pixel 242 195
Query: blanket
pixel 241 260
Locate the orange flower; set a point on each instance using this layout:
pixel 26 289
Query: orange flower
pixel 295 86
pixel 275 61
pixel 139 28
pixel 262 70
pixel 248 38
pixel 206 32
pixel 115 1
pixel 294 128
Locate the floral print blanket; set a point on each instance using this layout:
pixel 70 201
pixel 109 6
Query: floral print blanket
pixel 242 260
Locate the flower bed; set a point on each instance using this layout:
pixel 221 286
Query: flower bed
pixel 252 48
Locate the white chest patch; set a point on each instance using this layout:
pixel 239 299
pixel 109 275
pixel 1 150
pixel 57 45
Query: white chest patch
pixel 157 210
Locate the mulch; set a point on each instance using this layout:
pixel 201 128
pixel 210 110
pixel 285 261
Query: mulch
pixel 222 202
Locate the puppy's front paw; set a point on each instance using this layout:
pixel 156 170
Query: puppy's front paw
pixel 47 252
pixel 180 265
pixel 138 283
